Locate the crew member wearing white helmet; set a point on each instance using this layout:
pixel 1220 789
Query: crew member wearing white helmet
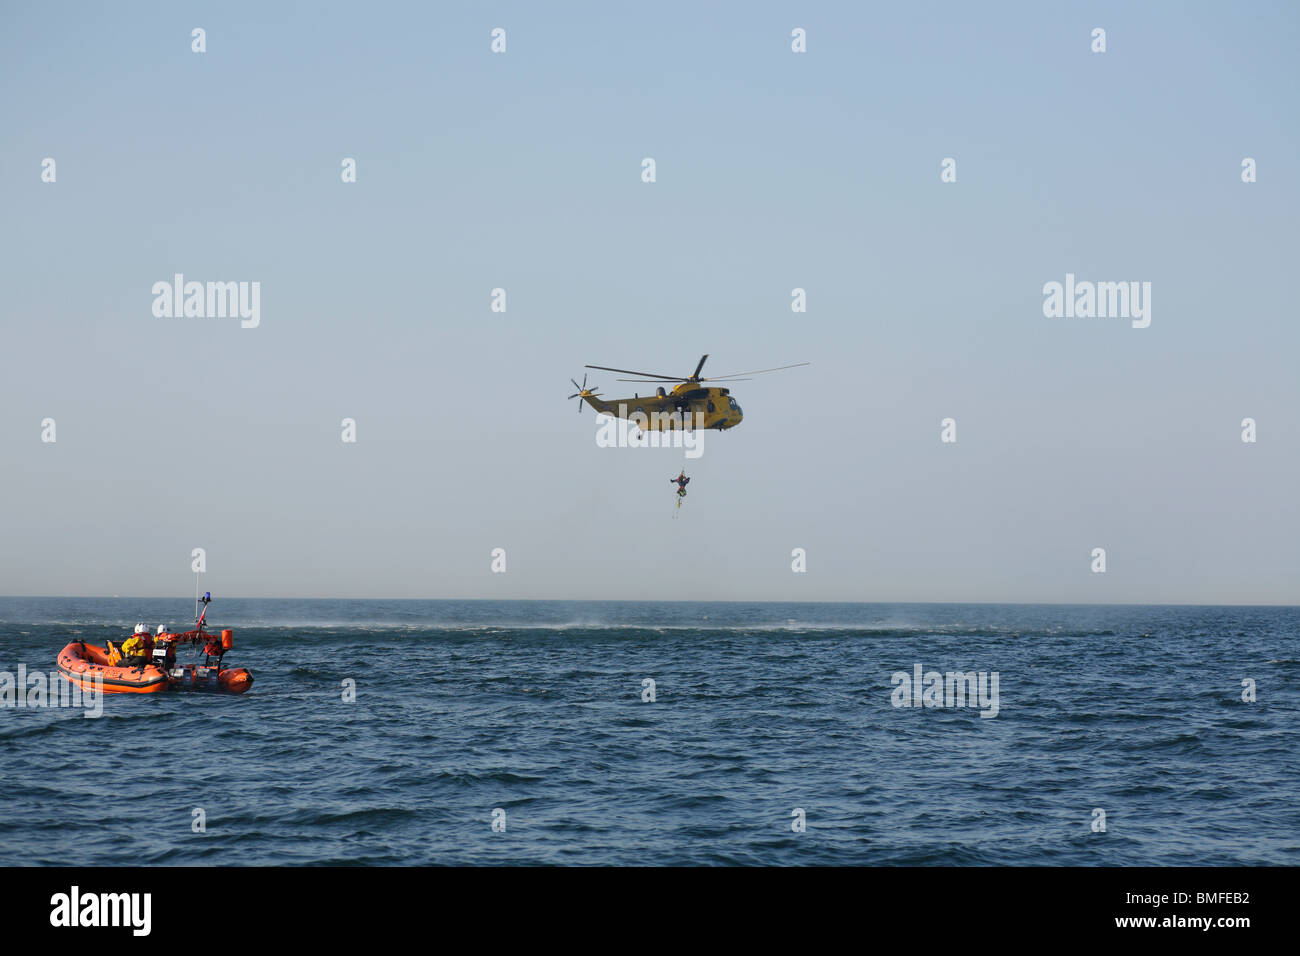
pixel 135 649
pixel 165 640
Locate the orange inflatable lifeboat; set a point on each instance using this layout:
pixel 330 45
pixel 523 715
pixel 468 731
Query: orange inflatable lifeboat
pixel 89 666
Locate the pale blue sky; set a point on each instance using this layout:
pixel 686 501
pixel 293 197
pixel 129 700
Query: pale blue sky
pixel 775 170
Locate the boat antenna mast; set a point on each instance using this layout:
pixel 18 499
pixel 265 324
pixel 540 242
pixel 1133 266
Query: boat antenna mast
pixel 199 620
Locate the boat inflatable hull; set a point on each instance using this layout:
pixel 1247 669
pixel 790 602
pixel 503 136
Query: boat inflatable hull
pixel 83 663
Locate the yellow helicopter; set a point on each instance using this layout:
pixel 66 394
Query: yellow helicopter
pixel 690 404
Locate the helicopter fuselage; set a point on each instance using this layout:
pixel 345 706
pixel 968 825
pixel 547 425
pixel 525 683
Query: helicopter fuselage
pixel 688 406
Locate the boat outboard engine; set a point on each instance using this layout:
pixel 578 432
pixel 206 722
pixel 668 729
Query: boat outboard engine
pixel 196 677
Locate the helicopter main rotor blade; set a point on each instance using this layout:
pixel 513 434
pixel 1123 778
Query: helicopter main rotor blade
pixel 651 381
pixel 761 371
pixel 696 374
pixel 653 375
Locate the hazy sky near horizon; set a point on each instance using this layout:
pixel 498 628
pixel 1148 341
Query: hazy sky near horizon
pixel 775 170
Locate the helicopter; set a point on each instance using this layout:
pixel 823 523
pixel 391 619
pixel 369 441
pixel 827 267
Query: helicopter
pixel 691 404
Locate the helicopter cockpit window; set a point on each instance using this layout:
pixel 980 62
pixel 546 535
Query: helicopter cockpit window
pixel 734 406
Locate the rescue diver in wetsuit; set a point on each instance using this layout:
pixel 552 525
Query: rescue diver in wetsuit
pixel 682 481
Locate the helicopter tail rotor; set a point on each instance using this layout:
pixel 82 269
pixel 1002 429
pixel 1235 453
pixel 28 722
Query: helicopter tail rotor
pixel 582 392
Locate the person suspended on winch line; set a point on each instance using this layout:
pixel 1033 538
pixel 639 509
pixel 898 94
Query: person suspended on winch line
pixel 682 481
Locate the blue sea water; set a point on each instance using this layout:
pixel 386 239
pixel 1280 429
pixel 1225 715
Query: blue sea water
pixel 536 708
